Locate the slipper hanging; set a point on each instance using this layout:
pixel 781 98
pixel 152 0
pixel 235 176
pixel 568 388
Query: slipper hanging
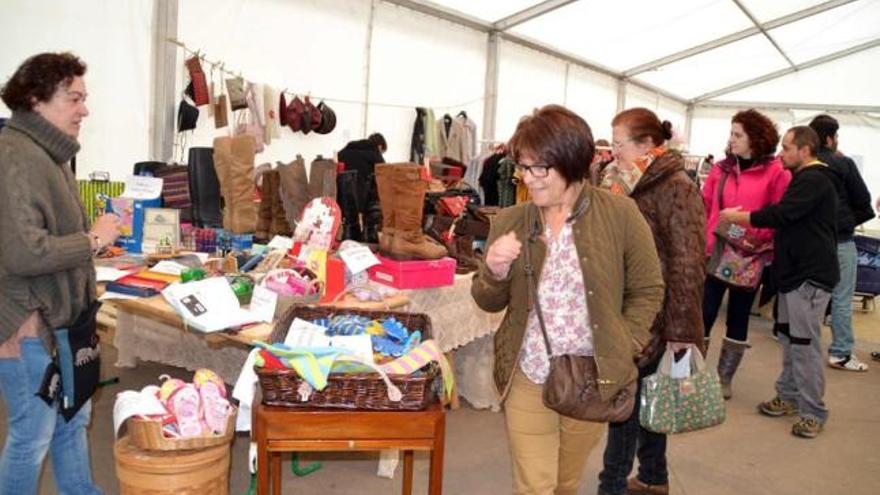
pixel 185 404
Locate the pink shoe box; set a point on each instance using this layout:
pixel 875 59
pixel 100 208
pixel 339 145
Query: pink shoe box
pixel 417 274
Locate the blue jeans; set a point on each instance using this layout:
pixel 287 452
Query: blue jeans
pixel 34 428
pixel 628 439
pixel 841 301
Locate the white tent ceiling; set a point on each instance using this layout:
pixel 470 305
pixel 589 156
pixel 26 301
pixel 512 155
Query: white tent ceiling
pixel 697 51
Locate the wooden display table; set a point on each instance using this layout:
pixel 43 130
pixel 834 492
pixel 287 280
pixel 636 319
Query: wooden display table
pixel 282 429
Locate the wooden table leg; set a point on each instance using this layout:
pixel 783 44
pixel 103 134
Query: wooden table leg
pixel 407 472
pixel 262 466
pixel 453 401
pixel 275 463
pixel 435 476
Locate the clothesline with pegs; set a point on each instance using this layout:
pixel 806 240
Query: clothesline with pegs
pixel 220 66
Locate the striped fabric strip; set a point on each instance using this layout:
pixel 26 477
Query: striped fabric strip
pixel 89 191
pixel 418 358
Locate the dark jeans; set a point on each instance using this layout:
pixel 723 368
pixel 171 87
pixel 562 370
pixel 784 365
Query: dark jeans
pixel 628 439
pixel 739 304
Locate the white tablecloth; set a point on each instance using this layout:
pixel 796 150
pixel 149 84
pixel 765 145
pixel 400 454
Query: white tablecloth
pixel 457 322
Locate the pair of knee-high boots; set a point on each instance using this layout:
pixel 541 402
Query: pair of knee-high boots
pixel 271 219
pixel 401 190
pixel 234 164
pixel 298 188
pixel 359 202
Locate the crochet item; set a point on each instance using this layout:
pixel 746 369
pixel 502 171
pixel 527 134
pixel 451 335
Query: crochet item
pixel 347 325
pixel 389 347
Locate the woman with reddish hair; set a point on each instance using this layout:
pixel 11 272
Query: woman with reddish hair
pixel 754 178
pixel 654 177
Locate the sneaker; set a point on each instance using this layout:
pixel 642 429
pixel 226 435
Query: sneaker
pixel 875 356
pixel 806 427
pixel 847 363
pixel 777 407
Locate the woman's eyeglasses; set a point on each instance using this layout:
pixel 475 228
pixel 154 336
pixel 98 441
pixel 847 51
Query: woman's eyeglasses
pixel 537 171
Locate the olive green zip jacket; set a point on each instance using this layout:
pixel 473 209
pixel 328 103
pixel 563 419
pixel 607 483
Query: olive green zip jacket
pixel 623 284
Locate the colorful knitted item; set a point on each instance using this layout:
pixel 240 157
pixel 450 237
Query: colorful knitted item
pixel 313 364
pixel 395 330
pixel 387 346
pixel 347 325
pixel 418 358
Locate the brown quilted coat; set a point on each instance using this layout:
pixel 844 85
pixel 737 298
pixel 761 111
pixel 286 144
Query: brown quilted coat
pixel 622 282
pixel 673 208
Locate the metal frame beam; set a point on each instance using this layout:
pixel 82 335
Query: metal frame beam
pixel 162 91
pixel 490 96
pixel 764 32
pixel 784 72
pixel 530 13
pixel 731 38
pixel 741 105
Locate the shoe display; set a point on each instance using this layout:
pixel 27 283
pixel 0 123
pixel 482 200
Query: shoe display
pixel 847 363
pixel 636 487
pixel 806 428
pixel 777 407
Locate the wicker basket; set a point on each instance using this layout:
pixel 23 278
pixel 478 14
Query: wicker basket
pixel 146 434
pixel 350 390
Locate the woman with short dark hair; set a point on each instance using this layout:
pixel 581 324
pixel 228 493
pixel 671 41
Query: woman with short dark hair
pixel 597 282
pixel 754 179
pixel 47 279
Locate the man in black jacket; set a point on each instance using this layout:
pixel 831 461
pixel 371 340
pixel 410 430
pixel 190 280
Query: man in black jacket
pixel 853 209
pixel 805 266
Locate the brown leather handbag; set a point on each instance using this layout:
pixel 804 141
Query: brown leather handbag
pixel 571 387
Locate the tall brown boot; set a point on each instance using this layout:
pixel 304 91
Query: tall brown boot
pixel 223 166
pixel 731 355
pixel 243 217
pixel 385 188
pixel 278 224
pixel 322 178
pixel 408 199
pixel 294 189
pixel 264 214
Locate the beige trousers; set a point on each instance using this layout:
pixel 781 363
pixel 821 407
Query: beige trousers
pixel 548 450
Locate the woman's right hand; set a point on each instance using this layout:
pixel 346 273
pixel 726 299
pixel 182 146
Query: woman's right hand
pixel 106 227
pixel 502 253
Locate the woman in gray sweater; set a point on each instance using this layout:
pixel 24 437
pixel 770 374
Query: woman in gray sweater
pixel 46 274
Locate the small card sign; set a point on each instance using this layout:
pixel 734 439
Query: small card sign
pixel 358 258
pixel 263 303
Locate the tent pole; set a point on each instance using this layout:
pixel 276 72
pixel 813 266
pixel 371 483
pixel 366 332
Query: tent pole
pixel 162 90
pixel 368 55
pixel 490 95
pixel 688 122
pixel 621 95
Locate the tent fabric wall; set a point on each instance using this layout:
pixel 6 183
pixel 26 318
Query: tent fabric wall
pixel 395 58
pixel 113 39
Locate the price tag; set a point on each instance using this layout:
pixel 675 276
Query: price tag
pixel 263 303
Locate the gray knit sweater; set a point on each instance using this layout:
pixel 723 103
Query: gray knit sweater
pixel 45 257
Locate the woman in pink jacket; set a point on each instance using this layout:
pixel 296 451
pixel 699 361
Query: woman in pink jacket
pixel 755 179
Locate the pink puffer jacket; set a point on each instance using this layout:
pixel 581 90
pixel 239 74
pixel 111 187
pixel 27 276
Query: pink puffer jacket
pixel 760 185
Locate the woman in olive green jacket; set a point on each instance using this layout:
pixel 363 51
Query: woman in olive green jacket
pixel 599 286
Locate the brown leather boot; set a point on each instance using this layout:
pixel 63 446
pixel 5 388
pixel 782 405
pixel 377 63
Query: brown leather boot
pixel 279 225
pixel 243 217
pixel 385 190
pixel 636 487
pixel 294 189
pixel 264 212
pixel 407 191
pixel 322 178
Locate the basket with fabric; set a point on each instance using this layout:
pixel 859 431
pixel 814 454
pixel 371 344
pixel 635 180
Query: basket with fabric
pixel 357 390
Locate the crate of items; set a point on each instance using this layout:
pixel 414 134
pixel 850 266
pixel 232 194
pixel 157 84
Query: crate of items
pixel 282 387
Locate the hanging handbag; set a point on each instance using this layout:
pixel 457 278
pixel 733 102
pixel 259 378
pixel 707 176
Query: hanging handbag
pixel 78 358
pixel 677 405
pixel 571 387
pixel 737 259
pixel 235 88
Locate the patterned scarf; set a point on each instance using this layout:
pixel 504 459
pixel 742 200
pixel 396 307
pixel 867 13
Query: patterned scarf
pixel 623 182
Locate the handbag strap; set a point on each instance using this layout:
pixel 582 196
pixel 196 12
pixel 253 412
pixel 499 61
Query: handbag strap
pixel 697 360
pixel 719 192
pixel 534 229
